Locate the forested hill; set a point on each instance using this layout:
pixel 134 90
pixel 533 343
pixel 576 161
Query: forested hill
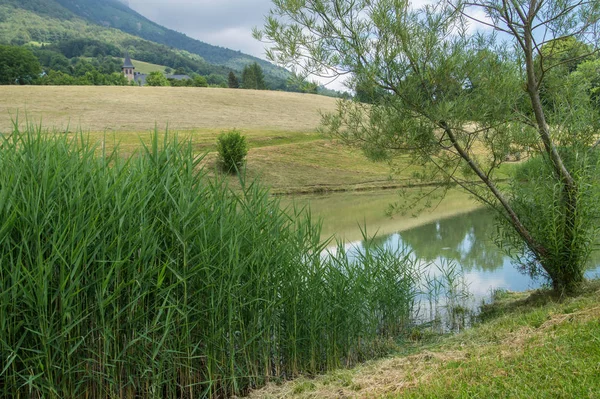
pixel 113 23
pixel 113 13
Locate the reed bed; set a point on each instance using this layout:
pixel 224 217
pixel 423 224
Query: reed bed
pixel 139 276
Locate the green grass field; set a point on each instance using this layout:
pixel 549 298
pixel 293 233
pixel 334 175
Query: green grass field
pixel 529 345
pixel 146 67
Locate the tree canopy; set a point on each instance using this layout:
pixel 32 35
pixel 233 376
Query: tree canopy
pixel 157 78
pixel 462 103
pixel 18 66
pixel 253 77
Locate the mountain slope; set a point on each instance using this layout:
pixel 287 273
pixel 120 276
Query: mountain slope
pixel 115 14
pixel 110 21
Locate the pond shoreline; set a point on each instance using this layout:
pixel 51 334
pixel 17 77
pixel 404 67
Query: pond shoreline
pixel 522 339
pixel 359 187
pixel 345 214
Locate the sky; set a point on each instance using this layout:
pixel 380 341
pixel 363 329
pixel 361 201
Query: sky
pixel 225 23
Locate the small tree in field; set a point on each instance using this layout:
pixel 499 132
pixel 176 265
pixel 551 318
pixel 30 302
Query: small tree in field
pixel 157 79
pixel 232 149
pixel 232 81
pixel 460 103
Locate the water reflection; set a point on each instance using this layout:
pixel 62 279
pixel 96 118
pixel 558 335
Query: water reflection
pixel 467 241
pixel 463 239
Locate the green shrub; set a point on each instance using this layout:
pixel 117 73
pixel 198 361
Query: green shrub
pixel 157 78
pixel 232 148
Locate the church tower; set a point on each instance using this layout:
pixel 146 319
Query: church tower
pixel 128 68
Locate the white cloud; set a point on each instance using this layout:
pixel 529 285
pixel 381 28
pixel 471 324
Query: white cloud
pixel 226 23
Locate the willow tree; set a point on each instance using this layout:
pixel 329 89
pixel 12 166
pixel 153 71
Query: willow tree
pixel 459 86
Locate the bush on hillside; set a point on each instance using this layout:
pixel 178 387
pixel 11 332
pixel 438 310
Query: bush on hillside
pixel 232 148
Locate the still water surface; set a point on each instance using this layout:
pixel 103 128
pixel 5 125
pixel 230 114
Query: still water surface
pixel 455 231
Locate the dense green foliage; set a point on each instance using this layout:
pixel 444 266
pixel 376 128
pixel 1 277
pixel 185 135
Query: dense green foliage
pixel 94 78
pixel 573 65
pixel 141 277
pixel 18 66
pixel 119 16
pixel 534 185
pixel 253 77
pixel 217 80
pixel 588 76
pixel 232 148
pixel 196 81
pixel 232 81
pixel 460 103
pixel 157 78
pixel 60 70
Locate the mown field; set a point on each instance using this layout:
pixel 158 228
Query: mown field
pixel 287 152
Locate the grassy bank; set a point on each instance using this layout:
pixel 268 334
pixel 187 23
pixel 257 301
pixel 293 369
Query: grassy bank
pixel 142 276
pixel 528 345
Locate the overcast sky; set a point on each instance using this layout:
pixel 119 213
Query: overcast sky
pixel 226 23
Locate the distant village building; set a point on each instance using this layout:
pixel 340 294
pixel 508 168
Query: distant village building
pixel 140 78
pixel 128 68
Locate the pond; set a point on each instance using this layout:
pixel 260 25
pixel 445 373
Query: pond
pixel 455 230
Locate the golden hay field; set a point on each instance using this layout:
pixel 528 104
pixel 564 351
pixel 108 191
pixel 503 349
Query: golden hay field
pixel 138 109
pixel 287 152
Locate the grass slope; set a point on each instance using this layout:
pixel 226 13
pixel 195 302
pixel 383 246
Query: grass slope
pixel 286 149
pixel 529 346
pixel 138 109
pixel 146 67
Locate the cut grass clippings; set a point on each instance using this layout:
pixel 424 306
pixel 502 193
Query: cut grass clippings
pixel 529 345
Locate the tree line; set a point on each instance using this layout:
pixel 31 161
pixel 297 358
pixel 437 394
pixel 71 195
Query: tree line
pixel 86 62
pixel 89 62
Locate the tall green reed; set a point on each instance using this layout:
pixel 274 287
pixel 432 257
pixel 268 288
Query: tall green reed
pixel 139 276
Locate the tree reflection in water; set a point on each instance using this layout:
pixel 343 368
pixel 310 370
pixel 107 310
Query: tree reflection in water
pixel 467 240
pixel 464 239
